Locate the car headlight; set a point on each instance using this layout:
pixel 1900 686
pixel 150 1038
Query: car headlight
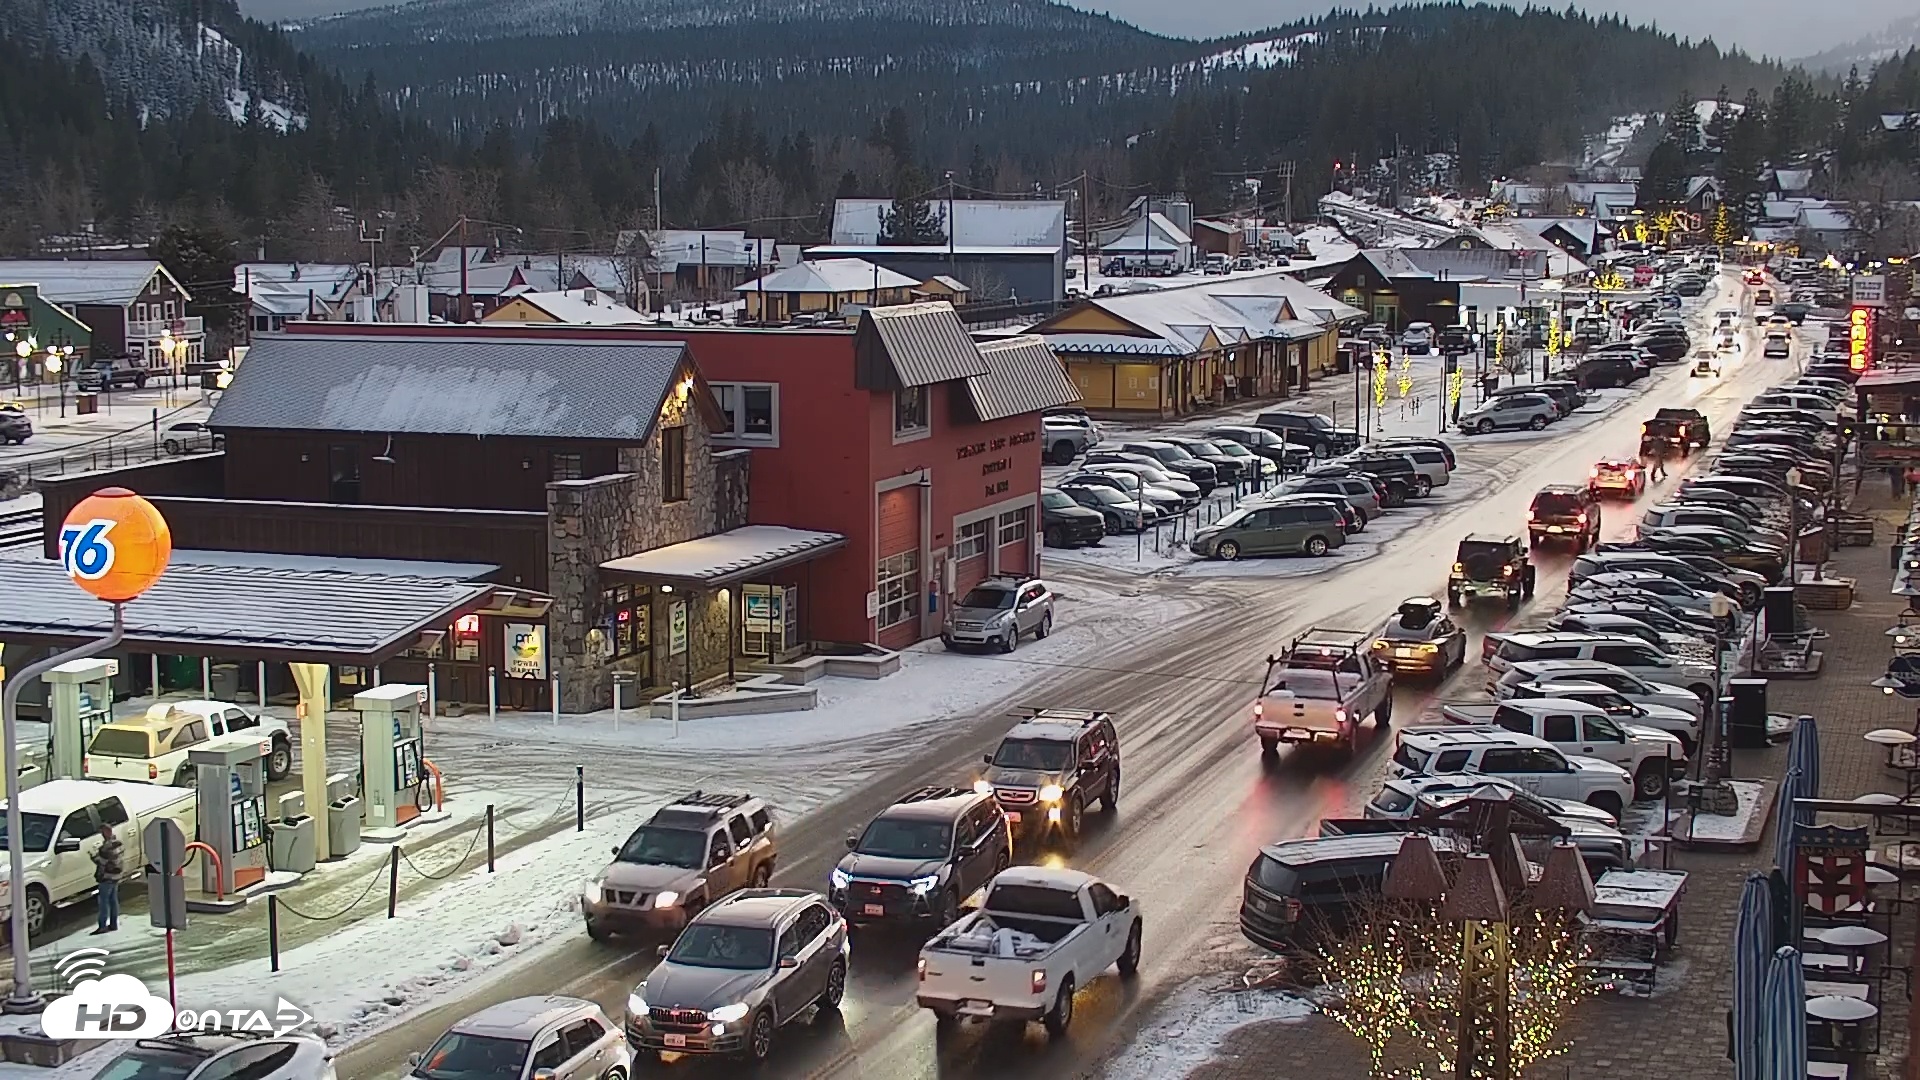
pixel 727 1014
pixel 666 899
pixel 982 787
pixel 592 894
pixel 921 886
pixel 636 1005
pixel 840 878
pixel 1051 793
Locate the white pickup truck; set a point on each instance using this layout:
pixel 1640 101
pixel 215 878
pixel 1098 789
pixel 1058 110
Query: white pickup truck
pixel 1321 689
pixel 153 748
pixel 60 830
pixel 1577 727
pixel 1041 934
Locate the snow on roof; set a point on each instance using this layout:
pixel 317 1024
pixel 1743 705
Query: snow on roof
pixel 857 251
pixel 1584 229
pixel 978 222
pixel 84 281
pixel 723 557
pixel 1271 306
pixel 833 276
pixel 711 247
pixel 583 307
pixel 1705 110
pixel 1793 179
pixel 952 284
pixel 1825 219
pixel 1511 237
pixel 327 281
pixel 1899 121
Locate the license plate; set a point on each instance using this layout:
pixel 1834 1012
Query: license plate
pixel 874 909
pixel 977 1008
pixel 1554 529
pixel 674 1040
pixel 1404 654
pixel 1013 816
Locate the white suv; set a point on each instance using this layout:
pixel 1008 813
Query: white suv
pixel 1575 727
pixel 1684 726
pixel 1630 686
pixel 1530 763
pixel 1629 654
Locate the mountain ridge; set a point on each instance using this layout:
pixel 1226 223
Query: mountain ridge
pixel 1866 51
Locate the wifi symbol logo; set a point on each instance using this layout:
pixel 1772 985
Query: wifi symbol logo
pixel 82 965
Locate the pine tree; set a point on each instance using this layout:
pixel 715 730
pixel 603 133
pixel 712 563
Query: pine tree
pixel 1683 127
pixel 911 220
pixel 981 176
pixel 1663 182
pixel 1720 124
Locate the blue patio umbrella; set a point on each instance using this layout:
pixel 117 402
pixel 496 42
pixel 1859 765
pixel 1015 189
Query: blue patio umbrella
pixel 1783 1023
pixel 1803 749
pixel 1752 958
pixel 1785 819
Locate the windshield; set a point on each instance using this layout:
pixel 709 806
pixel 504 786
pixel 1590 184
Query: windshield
pixel 983 597
pixel 1555 503
pixel 1233 518
pixel 1319 423
pixel 653 846
pixel 36 829
pixel 1034 900
pixel 150 1064
pixel 119 742
pixel 889 838
pixel 1172 452
pixel 741 948
pixel 1055 500
pixel 1034 755
pixel 1124 479
pixel 1229 448
pixel 473 1057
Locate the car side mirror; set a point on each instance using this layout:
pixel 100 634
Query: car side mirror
pixel 413 1058
pixel 66 843
pixel 543 1074
pixel 852 840
pixel 1126 902
pixel 986 759
pixel 789 962
pixel 663 951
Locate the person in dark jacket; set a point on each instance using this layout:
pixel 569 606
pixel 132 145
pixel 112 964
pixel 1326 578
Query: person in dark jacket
pixel 107 871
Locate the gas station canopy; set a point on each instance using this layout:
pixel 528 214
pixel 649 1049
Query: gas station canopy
pixel 296 616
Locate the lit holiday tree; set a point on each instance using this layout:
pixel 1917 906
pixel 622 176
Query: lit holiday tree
pixel 1722 231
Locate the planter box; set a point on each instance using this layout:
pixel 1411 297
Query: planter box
pixel 1823 594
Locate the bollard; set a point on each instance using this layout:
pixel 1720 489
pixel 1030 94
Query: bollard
pixel 616 701
pixel 493 696
pixel 206 677
pixel 489 840
pixel 554 689
pixel 579 798
pixel 393 883
pixel 433 692
pixel 260 680
pixel 273 932
pixel 153 671
pixel 377 680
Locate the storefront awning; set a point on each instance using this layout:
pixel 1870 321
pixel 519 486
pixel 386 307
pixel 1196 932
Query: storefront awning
pixel 244 612
pixel 712 562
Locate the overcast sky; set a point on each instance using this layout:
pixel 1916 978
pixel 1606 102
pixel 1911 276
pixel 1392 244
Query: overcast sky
pixel 1787 28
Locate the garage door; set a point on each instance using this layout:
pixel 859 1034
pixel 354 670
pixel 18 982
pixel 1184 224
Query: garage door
pixel 972 563
pixel 1015 537
pixel 898 573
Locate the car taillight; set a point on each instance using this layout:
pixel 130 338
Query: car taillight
pixel 1506 571
pixel 1595 471
pixel 86 765
pixel 1039 980
pixel 153 771
pixel 922 972
pixel 1290 909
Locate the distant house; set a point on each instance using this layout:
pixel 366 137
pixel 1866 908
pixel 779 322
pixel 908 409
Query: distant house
pixel 574 307
pixel 941 287
pixel 824 286
pixel 1001 248
pixel 1153 239
pixel 1790 182
pixel 134 307
pixel 1216 237
pixel 320 292
pixel 26 316
pixel 1577 236
pixel 1400 286
pixel 703 263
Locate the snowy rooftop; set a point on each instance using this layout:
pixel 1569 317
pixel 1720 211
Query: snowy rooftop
pixel 830 276
pixel 728 557
pixel 988 222
pixel 582 307
pixel 1176 321
pixel 83 281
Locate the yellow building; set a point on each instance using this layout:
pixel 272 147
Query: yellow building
pixel 823 285
pixel 1170 352
pixel 574 307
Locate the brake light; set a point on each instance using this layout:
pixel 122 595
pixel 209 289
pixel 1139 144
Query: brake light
pixel 1595 471
pixel 153 771
pixel 1290 909
pixel 921 973
pixel 1039 980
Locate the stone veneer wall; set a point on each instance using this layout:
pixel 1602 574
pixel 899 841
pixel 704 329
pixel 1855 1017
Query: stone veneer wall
pixel 593 520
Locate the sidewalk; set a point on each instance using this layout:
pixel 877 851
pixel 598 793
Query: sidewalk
pixel 1680 1032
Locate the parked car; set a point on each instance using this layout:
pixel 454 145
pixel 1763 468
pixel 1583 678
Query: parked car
pixel 1565 393
pixel 1268 444
pixel 1050 767
pixel 998 612
pixel 193 1055
pixel 1417 340
pixel 921 857
pixel 1176 460
pixel 1419 442
pixel 15 428
pixel 1065 523
pixel 110 375
pixel 1651 756
pixel 191 436
pixel 568 1037
pixel 1423 467
pixel 1159 502
pixel 1629 654
pixel 60 823
pixel 1278 529
pixel 689 854
pixel 1351 520
pixel 1682 724
pixel 1532 763
pixel 1119 512
pixel 1067 435
pixel 1231 462
pixel 1300 888
pixel 1361 493
pixel 1040 935
pixel 153 748
pixel 742 969
pixel 1533 411
pixel 1592 830
pixel 1600 673
pixel 1310 430
pixel 1148 470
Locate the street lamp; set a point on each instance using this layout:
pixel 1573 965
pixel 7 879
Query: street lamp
pixel 167 347
pixel 53 368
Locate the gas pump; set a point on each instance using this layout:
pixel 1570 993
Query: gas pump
pixel 231 785
pixel 392 757
pixel 79 700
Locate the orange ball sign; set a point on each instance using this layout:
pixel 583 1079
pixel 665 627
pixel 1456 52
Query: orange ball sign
pixel 115 544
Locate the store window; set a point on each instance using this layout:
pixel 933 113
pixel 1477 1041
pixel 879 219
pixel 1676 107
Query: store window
pixel 970 540
pixel 623 618
pixel 566 467
pixel 466 638
pixel 673 464
pixel 899 586
pixel 1015 525
pixel 752 412
pixel 909 413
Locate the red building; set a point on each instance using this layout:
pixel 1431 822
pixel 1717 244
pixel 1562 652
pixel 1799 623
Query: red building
pixel 918 445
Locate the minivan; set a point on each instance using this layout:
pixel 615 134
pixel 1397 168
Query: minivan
pixel 1283 529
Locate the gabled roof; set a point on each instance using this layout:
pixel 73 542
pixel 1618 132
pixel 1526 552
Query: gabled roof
pixel 582 307
pixel 1793 180
pixel 976 222
pixel 453 384
pixel 833 276
pixel 86 281
pixel 1023 376
pixel 1454 264
pixel 327 281
pixel 952 284
pixel 914 345
pixel 1175 321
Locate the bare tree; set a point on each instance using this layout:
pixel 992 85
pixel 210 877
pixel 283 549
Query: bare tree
pixel 633 260
pixel 1880 207
pixel 754 193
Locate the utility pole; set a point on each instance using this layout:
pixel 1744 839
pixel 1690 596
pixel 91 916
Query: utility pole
pixel 1086 213
pixel 378 237
pixel 461 315
pixel 656 199
pixel 1285 171
pixel 951 267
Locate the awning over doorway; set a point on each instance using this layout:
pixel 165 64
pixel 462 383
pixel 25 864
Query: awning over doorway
pixel 713 562
pixel 244 612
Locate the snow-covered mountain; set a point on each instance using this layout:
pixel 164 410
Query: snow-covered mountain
pixel 1892 40
pixel 170 57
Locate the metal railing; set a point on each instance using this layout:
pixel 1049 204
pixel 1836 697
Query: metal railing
pixel 189 326
pixel 20 529
pixel 135 445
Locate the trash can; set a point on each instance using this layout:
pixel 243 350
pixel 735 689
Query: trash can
pixel 86 404
pixel 224 680
pixel 1747 713
pixel 343 827
pixel 291 839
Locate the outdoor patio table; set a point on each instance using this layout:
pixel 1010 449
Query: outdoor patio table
pixel 1818 988
pixel 1830 962
pixel 1880 875
pixel 1850 937
pixel 1893 739
pixel 1840 1010
pixel 1826 1070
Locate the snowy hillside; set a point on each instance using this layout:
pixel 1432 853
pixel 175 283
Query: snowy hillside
pixel 1262 54
pixel 1891 41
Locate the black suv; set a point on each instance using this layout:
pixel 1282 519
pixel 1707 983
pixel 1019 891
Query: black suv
pixel 1394 468
pixel 921 857
pixel 1050 766
pixel 14 427
pixel 1176 460
pixel 1297 888
pixel 1684 430
pixel 1065 523
pixel 1268 444
pixel 1488 565
pixel 1566 512
pixel 1613 368
pixel 1310 430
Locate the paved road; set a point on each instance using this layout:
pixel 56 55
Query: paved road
pixel 1198 803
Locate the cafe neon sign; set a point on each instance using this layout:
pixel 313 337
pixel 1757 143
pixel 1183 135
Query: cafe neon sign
pixel 1859 338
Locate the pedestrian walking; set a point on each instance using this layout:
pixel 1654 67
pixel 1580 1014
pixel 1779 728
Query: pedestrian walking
pixel 107 870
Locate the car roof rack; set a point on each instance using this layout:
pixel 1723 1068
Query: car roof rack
pixel 1049 714
pixel 931 793
pixel 716 802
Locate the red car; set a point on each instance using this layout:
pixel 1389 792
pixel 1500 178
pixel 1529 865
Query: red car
pixel 1755 277
pixel 1622 479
